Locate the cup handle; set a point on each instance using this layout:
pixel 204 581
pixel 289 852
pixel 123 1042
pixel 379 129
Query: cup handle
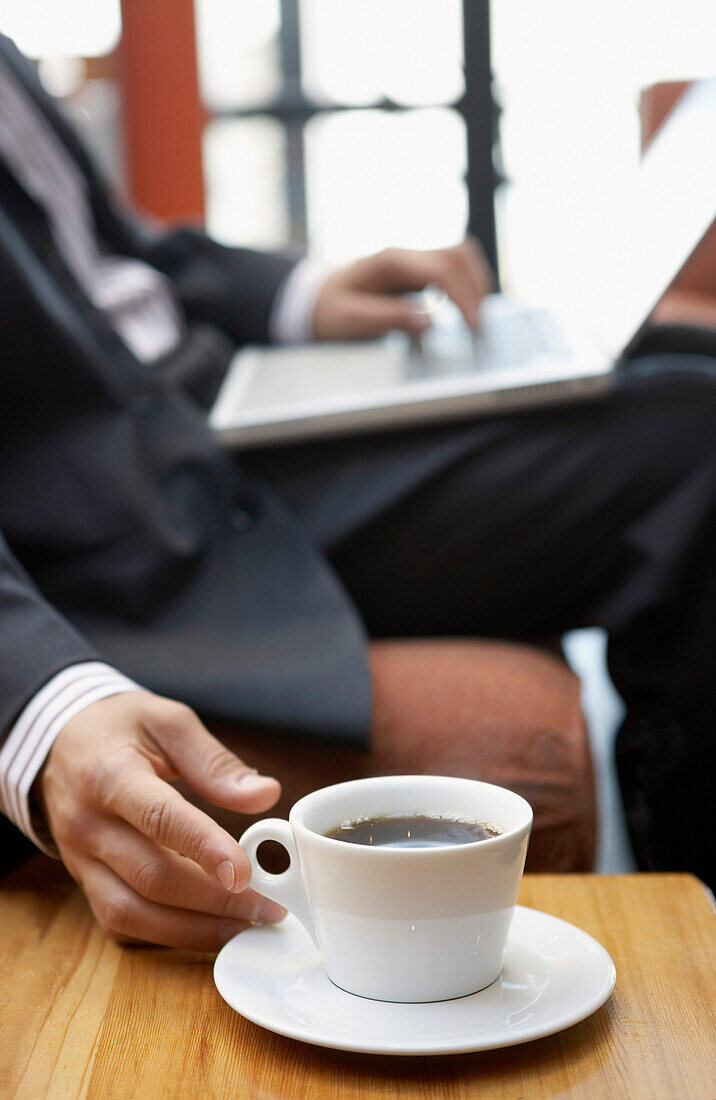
pixel 287 888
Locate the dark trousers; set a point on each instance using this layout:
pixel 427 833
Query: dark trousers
pixel 526 526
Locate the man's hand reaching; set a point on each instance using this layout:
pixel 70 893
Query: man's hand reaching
pixel 154 867
pixel 368 298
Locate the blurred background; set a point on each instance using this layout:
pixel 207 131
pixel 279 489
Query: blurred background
pixel 346 127
pixel 349 127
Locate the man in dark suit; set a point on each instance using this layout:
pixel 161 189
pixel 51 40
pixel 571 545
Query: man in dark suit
pixel 135 552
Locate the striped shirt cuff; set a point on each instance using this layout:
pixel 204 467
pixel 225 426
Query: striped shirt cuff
pixel 291 318
pixel 33 734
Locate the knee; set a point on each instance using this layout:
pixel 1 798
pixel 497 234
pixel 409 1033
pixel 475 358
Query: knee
pixel 674 399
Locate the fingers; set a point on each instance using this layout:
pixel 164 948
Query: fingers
pixel 461 272
pixel 364 315
pixel 163 877
pixel 126 916
pixel 364 299
pixel 159 812
pixel 210 769
pixel 107 794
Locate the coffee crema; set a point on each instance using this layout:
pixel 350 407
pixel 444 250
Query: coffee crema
pixel 414 831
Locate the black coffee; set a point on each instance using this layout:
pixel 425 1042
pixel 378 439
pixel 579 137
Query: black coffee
pixel 415 831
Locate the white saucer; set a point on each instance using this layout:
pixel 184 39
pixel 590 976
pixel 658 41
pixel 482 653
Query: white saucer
pixel 554 975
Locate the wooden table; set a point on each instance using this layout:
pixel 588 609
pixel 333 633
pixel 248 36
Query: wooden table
pixel 83 1017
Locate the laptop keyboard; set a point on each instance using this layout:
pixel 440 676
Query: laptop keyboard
pixel 507 340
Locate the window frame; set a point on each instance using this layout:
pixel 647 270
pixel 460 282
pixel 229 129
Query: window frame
pixel 164 118
pixel 477 107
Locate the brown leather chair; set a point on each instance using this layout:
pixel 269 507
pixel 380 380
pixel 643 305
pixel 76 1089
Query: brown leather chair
pixel 505 713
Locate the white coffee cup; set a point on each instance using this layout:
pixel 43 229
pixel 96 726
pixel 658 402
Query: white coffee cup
pixel 401 924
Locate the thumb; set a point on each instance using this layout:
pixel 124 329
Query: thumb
pixel 375 314
pixel 212 770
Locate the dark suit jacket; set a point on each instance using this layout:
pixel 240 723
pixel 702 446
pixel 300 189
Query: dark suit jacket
pixel 128 535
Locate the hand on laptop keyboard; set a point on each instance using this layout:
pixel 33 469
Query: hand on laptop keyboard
pixel 506 337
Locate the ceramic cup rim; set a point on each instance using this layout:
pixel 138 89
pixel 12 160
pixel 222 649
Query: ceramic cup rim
pixel 303 806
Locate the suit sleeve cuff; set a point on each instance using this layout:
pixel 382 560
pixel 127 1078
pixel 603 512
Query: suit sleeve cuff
pixel 34 732
pixel 291 318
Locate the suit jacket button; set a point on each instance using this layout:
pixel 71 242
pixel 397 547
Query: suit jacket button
pixel 241 519
pixel 143 401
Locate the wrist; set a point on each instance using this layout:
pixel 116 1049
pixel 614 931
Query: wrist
pixel 28 745
pixel 293 313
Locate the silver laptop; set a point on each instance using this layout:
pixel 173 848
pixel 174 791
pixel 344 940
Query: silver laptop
pixel 520 356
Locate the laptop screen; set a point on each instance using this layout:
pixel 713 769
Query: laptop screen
pixel 664 215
